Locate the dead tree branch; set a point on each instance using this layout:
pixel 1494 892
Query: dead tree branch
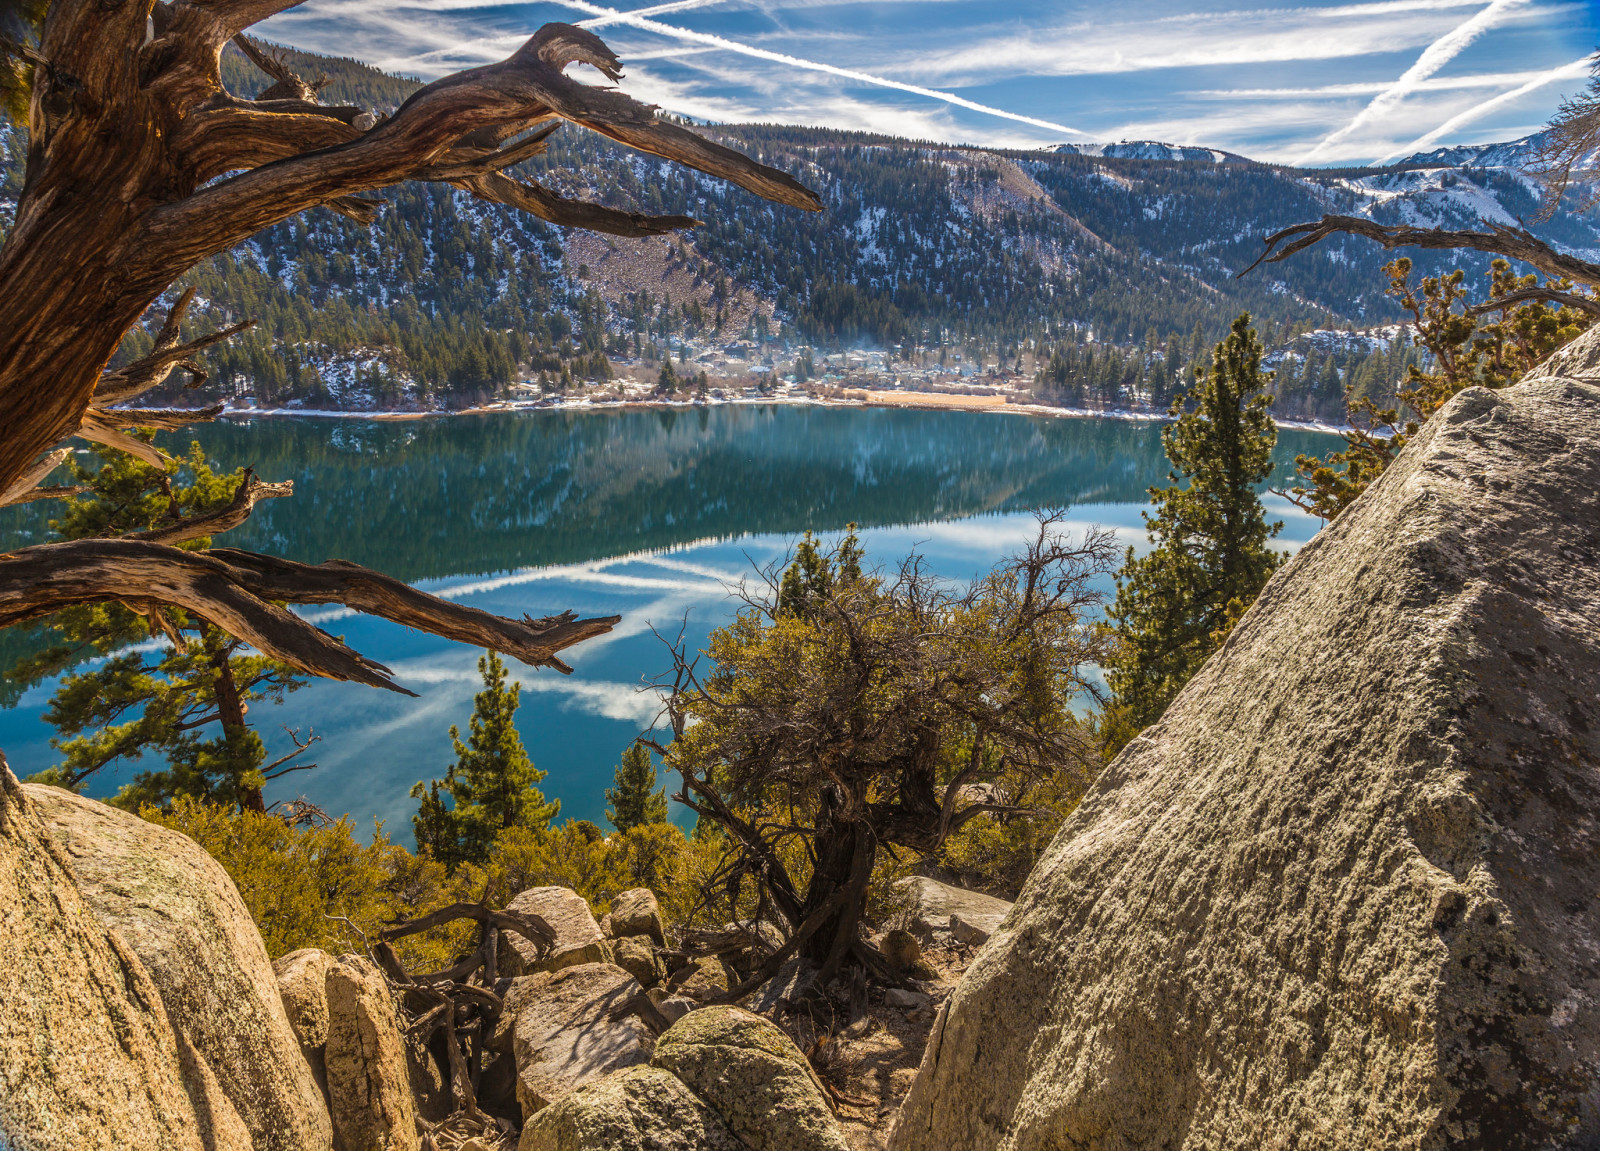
pixel 215 523
pixel 240 593
pixel 23 491
pixel 1588 304
pixel 1517 243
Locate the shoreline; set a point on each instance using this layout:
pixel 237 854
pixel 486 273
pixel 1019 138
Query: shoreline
pixel 917 401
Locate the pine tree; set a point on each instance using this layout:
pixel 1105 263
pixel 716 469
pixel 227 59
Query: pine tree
pixel 492 784
pixel 1176 604
pixel 636 801
pixel 182 698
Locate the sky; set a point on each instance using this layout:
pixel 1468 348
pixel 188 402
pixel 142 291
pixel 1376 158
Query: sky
pixel 1314 84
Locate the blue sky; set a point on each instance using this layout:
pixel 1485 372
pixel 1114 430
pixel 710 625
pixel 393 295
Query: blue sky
pixel 1312 83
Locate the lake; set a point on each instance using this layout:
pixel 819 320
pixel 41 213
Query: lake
pixel 650 514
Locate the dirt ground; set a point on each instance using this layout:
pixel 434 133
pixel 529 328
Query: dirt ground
pixel 869 1061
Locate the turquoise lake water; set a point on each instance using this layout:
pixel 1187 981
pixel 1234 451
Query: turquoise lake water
pixel 650 514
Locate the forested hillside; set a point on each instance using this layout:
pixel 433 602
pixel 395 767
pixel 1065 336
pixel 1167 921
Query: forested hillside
pixel 1090 271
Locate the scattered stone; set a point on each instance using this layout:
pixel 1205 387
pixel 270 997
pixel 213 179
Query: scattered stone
pixel 965 931
pixel 88 1058
pixel 636 954
pixel 1342 895
pixel 754 1076
pixel 702 978
pixel 637 912
pixel 575 1029
pixel 907 1000
pixel 675 1007
pixel 605 926
pixel 302 985
pixel 930 904
pixel 578 938
pixel 641 1109
pixel 181 914
pixel 901 949
pixel 369 1082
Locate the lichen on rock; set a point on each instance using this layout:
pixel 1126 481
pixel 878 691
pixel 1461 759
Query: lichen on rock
pixel 1343 894
pixel 754 1076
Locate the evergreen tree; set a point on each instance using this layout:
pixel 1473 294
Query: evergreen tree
pixel 492 784
pixel 636 801
pixel 182 698
pixel 1176 604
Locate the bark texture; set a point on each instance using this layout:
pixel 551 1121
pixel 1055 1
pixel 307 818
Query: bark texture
pixel 181 914
pixel 87 1057
pixel 1343 895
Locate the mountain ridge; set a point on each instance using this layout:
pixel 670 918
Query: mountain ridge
pixel 1000 256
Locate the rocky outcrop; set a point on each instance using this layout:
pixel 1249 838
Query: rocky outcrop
pixel 636 912
pixel 754 1077
pixel 930 906
pixel 578 938
pixel 573 1027
pixel 642 1109
pixel 88 1059
pixel 180 913
pixel 369 1088
pixel 1344 894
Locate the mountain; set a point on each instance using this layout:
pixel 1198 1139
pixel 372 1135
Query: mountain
pixel 1151 150
pixel 1116 263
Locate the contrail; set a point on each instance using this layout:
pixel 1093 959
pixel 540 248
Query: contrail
pixel 1578 67
pixel 1434 57
pixel 636 21
pixel 653 10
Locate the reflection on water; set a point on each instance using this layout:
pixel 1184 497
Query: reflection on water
pixel 644 513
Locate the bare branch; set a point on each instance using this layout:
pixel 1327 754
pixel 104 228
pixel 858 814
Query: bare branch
pixel 521 90
pixel 23 490
pixel 120 385
pixel 103 427
pixel 215 523
pixel 1589 304
pixel 1517 243
pixel 501 189
pixel 236 591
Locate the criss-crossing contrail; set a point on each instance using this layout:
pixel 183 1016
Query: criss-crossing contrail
pixel 653 10
pixel 636 20
pixel 1434 57
pixel 1578 67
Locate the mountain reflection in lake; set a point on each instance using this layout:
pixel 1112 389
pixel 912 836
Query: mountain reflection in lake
pixel 649 514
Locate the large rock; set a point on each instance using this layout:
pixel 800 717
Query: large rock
pixel 369 1080
pixel 88 1058
pixel 1344 894
pixel 641 1109
pixel 574 1027
pixel 302 985
pixel 754 1076
pixel 637 912
pixel 180 913
pixel 578 937
pixel 930 905
pixel 636 954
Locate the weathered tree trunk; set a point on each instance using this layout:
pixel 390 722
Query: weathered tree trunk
pixel 845 852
